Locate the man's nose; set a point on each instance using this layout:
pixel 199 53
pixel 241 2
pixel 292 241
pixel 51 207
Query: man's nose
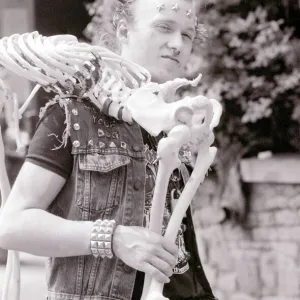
pixel 176 41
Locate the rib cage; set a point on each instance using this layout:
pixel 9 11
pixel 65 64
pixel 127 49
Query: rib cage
pixel 68 67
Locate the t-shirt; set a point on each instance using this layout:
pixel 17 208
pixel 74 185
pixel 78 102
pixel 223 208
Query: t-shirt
pixel 60 161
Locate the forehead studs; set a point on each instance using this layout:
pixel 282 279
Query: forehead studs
pixel 175 7
pixel 76 126
pixel 75 112
pixel 160 7
pixel 189 13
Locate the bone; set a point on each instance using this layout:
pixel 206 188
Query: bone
pixel 61 63
pixel 168 89
pixel 49 57
pixel 13 51
pixel 54 71
pixel 11 283
pixel 204 160
pixel 28 100
pixel 20 145
pixel 167 115
pixel 167 151
pixel 12 272
pixel 13 66
pixel 206 156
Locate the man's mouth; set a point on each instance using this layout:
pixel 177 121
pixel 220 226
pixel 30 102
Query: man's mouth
pixel 171 57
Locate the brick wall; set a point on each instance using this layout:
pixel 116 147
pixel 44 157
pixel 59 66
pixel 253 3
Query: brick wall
pixel 260 259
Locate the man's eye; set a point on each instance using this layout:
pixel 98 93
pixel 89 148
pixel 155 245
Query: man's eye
pixel 164 27
pixel 187 35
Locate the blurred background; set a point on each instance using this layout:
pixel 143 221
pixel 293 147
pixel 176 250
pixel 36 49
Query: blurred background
pixel 247 214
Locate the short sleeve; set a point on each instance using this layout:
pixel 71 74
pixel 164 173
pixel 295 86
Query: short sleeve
pixel 47 137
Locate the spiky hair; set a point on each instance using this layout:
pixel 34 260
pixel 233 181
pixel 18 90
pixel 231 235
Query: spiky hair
pixel 106 15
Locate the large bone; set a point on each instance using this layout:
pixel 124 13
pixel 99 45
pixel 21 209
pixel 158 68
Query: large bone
pixel 167 151
pixel 11 284
pixel 206 155
pixel 204 160
pixel 159 103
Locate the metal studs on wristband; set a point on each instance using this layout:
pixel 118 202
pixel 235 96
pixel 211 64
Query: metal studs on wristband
pixel 101 238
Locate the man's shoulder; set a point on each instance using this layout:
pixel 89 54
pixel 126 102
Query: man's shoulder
pixel 65 106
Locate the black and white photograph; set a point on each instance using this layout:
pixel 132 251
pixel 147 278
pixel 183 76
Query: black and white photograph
pixel 149 150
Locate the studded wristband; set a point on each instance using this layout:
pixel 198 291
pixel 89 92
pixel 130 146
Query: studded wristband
pixel 101 238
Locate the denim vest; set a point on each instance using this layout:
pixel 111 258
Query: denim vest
pixel 107 182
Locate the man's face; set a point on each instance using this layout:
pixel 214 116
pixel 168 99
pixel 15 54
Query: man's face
pixel 156 32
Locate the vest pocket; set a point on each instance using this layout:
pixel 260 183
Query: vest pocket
pixel 101 181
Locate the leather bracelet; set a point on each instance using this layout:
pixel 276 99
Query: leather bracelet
pixel 101 238
pixel 106 105
pixel 120 113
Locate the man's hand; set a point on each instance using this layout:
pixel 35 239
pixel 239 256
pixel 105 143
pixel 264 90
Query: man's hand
pixel 145 251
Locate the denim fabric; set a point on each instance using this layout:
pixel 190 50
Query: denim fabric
pixel 107 182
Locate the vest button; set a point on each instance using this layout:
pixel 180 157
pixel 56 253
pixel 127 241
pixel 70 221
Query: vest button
pixel 76 126
pixel 136 148
pixel 76 144
pixel 75 112
pixel 138 185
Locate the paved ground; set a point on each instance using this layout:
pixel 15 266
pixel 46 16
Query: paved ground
pixel 33 284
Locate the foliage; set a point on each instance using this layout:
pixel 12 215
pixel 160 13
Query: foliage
pixel 254 69
pixel 251 63
pixel 100 30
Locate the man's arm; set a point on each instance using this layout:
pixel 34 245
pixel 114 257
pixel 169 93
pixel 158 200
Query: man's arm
pixel 26 226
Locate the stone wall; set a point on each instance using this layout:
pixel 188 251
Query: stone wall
pixel 260 259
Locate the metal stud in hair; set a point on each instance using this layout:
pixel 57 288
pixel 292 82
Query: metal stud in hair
pixel 175 7
pixel 161 7
pixel 189 13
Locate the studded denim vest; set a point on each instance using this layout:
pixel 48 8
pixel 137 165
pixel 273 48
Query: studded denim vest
pixel 107 181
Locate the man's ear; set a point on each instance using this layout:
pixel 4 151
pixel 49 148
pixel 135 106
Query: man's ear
pixel 122 31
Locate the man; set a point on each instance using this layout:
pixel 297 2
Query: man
pixel 107 171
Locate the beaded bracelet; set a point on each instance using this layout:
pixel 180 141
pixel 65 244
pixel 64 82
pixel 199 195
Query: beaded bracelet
pixel 101 238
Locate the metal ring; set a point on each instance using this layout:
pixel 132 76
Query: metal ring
pixel 176 52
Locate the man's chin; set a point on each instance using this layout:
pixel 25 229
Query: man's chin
pixel 164 77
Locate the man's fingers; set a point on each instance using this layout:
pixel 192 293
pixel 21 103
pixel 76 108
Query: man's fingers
pixel 169 246
pixel 167 257
pixel 156 273
pixel 161 265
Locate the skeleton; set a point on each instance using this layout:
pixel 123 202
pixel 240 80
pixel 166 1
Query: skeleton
pixel 67 67
pixel 116 86
pixel 168 162
pixel 12 274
